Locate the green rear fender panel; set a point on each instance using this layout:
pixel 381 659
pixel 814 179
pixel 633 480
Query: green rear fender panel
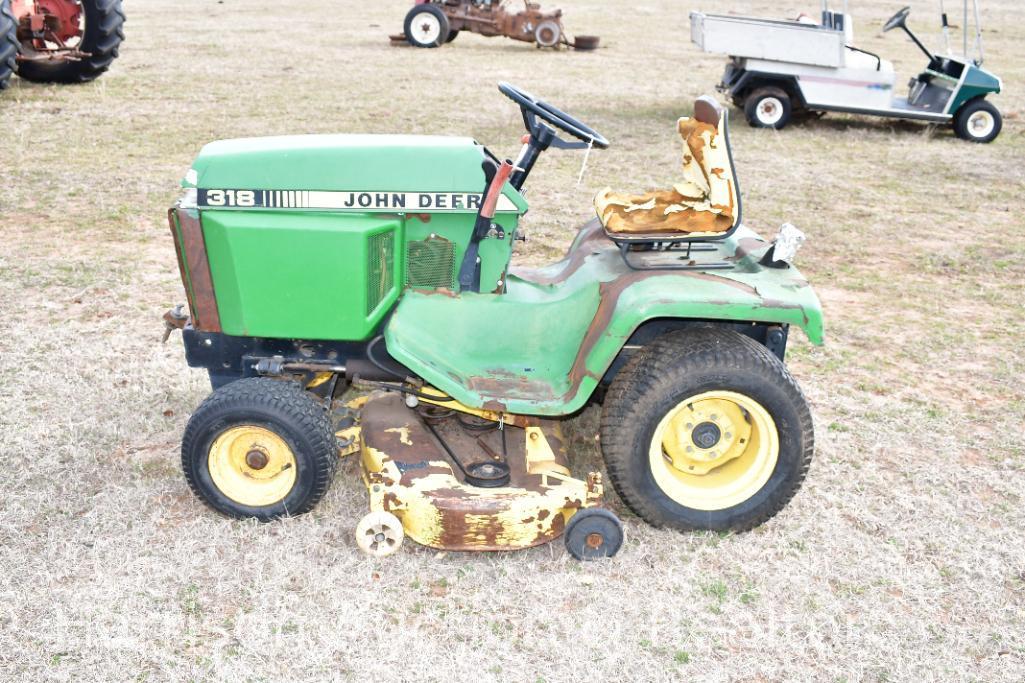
pixel 542 347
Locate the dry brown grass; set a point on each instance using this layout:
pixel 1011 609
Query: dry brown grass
pixel 902 558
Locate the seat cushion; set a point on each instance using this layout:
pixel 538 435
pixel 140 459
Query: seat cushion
pixel 703 202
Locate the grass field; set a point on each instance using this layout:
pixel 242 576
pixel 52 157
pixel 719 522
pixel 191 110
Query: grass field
pixel 903 557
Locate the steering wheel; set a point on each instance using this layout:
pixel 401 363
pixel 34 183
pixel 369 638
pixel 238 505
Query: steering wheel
pixel 531 107
pixel 897 20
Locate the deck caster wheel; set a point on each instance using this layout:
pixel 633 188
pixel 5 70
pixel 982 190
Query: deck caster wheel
pixel 593 533
pixel 379 534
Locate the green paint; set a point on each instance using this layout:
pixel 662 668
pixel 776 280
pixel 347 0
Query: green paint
pixel 298 275
pixel 520 347
pixel 976 82
pixel 307 274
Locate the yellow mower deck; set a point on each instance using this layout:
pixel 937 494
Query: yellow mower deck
pixel 409 473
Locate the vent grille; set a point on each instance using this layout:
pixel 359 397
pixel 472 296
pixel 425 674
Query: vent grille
pixel 381 269
pixel 430 264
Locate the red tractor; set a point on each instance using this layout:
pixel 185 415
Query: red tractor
pixel 58 41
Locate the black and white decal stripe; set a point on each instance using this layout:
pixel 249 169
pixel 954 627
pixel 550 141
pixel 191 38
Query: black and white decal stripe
pixel 358 201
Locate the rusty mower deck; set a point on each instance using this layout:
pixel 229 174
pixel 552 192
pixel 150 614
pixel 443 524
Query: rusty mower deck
pixel 457 480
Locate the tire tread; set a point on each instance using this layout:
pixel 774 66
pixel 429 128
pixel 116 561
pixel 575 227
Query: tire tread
pixel 646 377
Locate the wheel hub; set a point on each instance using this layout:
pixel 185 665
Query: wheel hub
pixel 252 465
pixel 256 459
pixel 714 450
pixel 706 435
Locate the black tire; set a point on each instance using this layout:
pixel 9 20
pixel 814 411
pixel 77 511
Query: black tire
pixel 768 107
pixel 687 363
pixel 415 36
pixel 593 534
pixel 280 407
pixel 8 43
pixel 451 35
pixel 104 21
pixel 977 108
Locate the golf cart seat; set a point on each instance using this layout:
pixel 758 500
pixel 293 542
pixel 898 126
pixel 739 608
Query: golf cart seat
pixel 705 205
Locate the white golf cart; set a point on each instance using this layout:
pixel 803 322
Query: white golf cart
pixel 777 67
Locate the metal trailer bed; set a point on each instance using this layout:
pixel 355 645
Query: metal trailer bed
pixel 775 40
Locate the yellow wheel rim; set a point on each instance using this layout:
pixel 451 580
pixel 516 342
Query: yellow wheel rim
pixel 714 450
pixel 252 465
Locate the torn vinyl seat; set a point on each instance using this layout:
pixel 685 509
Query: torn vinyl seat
pixel 704 206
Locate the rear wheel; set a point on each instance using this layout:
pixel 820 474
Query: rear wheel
pixel 8 43
pixel 978 121
pixel 92 26
pixel 426 26
pixel 259 448
pixel 451 36
pixel 768 107
pixel 706 429
pixel 548 34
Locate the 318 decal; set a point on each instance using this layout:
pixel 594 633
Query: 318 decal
pixel 228 198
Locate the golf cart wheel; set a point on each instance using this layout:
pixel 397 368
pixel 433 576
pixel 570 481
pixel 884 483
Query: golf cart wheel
pixel 8 43
pixel 98 31
pixel 593 534
pixel 426 26
pixel 768 107
pixel 705 429
pixel 259 448
pixel 379 534
pixel 978 121
pixel 547 34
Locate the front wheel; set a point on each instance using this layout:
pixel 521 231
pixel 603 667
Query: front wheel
pixel 8 43
pixel 426 26
pixel 92 26
pixel 259 448
pixel 978 121
pixel 706 430
pixel 768 107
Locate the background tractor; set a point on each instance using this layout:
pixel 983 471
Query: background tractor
pixel 432 23
pixel 58 41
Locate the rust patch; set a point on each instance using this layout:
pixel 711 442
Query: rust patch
pixel 204 301
pixel 592 239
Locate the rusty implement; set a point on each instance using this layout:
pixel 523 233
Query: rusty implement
pixel 432 23
pixel 439 472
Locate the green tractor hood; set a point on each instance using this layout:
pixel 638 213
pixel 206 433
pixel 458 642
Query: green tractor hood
pixel 369 173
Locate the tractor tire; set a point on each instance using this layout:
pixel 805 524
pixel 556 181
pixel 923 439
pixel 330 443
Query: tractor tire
pixel 426 26
pixel 259 448
pixel 705 429
pixel 8 43
pixel 768 107
pixel 451 36
pixel 104 22
pixel 978 120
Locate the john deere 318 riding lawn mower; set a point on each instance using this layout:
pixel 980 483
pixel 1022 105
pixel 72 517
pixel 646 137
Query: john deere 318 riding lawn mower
pixel 314 264
pixel 58 41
